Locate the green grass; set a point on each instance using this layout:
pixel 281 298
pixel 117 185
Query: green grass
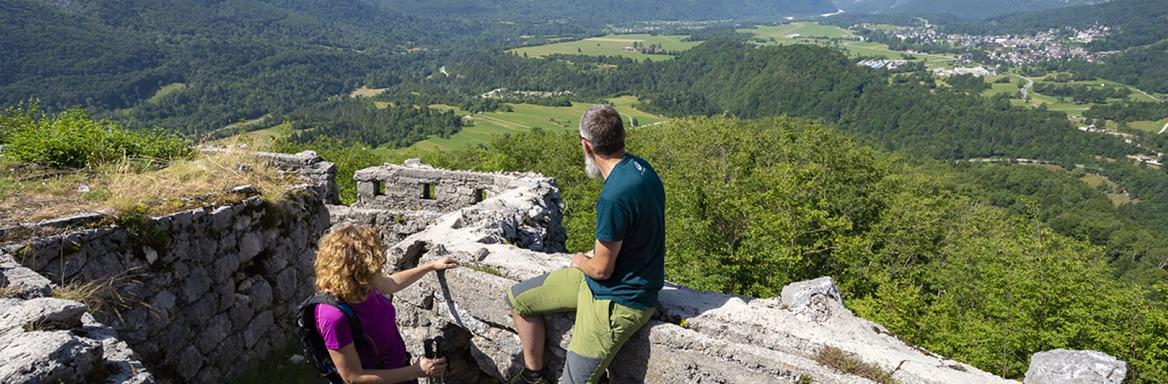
pixel 1054 104
pixel 166 90
pixel 523 118
pixel 1148 126
pixel 1012 88
pixel 803 29
pixel 610 45
pixel 1136 95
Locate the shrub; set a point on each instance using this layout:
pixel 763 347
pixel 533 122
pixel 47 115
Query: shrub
pixel 73 139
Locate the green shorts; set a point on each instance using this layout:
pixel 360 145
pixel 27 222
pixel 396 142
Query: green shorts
pixel 602 326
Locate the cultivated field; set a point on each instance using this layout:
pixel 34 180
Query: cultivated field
pixel 793 31
pixel 1149 126
pixel 523 118
pixel 610 45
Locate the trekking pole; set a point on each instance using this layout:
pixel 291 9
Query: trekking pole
pixel 433 350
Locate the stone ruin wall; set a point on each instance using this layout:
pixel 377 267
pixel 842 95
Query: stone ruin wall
pixel 208 290
pixel 419 188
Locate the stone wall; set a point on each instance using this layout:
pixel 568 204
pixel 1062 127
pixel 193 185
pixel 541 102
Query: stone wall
pixel 390 198
pixel 200 293
pixel 418 187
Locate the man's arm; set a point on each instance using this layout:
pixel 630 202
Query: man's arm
pixel 602 262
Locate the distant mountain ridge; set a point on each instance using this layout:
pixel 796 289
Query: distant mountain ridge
pixel 961 8
pixel 614 11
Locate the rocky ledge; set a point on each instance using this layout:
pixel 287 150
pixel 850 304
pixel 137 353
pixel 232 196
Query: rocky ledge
pixel 48 340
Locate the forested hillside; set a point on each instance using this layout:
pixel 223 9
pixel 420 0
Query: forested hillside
pixel 237 60
pixel 721 76
pixel 240 60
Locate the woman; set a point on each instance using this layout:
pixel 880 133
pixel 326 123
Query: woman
pixel 349 266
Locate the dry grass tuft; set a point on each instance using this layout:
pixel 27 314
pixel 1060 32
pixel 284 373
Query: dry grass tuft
pixel 848 363
pixel 9 293
pixel 29 194
pixel 102 295
pixel 204 180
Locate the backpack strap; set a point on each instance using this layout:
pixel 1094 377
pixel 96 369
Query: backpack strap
pixel 312 340
pixel 354 322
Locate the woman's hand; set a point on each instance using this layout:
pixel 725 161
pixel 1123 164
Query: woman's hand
pixel 431 367
pixel 444 263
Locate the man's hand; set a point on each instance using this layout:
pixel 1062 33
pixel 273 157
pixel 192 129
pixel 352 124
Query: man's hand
pixel 600 264
pixel 444 263
pixel 580 260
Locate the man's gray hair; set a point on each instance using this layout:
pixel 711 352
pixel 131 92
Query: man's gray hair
pixel 601 125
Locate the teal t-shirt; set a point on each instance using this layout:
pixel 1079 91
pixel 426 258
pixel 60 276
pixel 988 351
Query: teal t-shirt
pixel 631 208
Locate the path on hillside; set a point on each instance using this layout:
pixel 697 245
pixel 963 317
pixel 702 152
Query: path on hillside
pixel 1154 98
pixel 1163 129
pixel 1025 88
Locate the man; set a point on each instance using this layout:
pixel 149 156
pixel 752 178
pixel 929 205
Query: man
pixel 614 290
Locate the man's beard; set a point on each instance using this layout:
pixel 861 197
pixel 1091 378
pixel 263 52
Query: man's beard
pixel 590 167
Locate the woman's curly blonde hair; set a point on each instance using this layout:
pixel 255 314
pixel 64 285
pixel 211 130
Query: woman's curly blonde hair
pixel 347 260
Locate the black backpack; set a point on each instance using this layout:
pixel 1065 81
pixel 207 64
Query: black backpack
pixel 313 343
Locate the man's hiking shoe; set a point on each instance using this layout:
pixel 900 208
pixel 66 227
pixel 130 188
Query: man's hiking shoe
pixel 519 378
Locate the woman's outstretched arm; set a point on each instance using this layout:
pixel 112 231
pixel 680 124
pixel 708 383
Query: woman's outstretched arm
pixel 398 281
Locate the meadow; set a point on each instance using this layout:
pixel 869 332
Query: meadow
pixel 833 36
pixel 789 33
pixel 1014 88
pixel 523 118
pixel 610 45
pixel 165 91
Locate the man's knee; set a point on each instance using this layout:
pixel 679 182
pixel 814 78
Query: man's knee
pixel 513 297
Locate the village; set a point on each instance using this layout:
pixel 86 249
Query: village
pixel 1015 50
